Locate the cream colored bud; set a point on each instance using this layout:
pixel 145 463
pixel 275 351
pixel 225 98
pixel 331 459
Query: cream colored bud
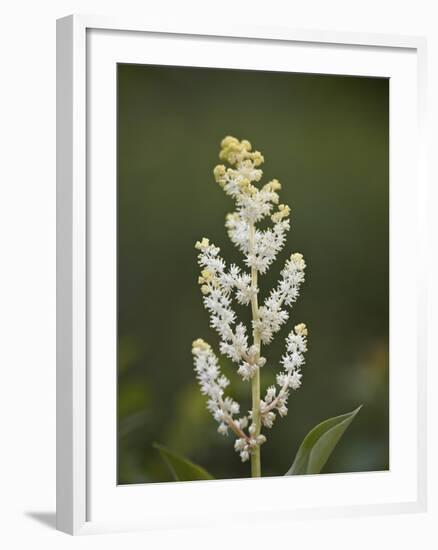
pixel 272 186
pixel 234 217
pixel 219 172
pixel 244 183
pixel 257 158
pixel 199 345
pixel 275 185
pixel 298 259
pixel 228 140
pixel 283 212
pixel 207 275
pixel 246 144
pixel 301 329
pixel 199 245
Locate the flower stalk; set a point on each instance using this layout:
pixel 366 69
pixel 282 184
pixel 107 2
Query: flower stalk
pixel 220 285
pixel 256 470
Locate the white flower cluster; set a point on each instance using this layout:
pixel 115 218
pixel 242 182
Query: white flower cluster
pixel 217 285
pixel 213 384
pixel 215 276
pixel 272 314
pixel 220 284
pixel 290 378
pixel 267 243
pixel 245 446
pixel 252 205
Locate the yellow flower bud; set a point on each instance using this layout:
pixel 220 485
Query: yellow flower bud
pixel 206 275
pixel 199 345
pixel 301 329
pixel 299 260
pixel 232 217
pixel 246 144
pixel 257 158
pixel 223 155
pixel 219 172
pixel 272 186
pixel 244 183
pixel 228 140
pixel 199 245
pixel 283 212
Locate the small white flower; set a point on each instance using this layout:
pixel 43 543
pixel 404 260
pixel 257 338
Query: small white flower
pixel 260 439
pixel 268 419
pixel 270 394
pixel 218 415
pixel 295 380
pixel 245 371
pixel 222 429
pixel 282 379
pixel 243 422
pixel 244 455
pixel 282 411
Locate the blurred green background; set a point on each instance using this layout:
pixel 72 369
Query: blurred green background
pixel 326 138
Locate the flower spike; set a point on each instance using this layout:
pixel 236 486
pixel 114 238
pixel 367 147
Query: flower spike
pixel 221 284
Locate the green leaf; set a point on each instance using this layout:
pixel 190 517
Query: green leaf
pixel 319 443
pixel 181 468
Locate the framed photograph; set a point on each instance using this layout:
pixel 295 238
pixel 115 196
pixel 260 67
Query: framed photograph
pixel 241 296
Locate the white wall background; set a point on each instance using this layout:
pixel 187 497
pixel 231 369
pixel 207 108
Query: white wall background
pixel 27 273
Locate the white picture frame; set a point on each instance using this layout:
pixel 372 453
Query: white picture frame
pixel 87 50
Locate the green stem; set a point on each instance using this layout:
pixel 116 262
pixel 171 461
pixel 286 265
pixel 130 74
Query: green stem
pixel 256 470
